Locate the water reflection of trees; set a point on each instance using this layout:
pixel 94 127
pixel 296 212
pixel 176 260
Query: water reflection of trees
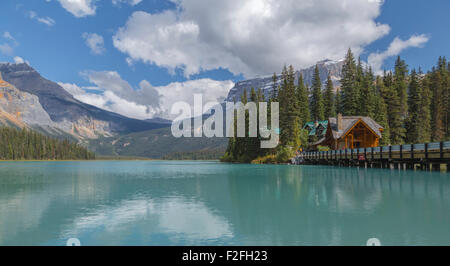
pixel 313 204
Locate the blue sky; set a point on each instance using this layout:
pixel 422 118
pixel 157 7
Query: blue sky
pixel 165 49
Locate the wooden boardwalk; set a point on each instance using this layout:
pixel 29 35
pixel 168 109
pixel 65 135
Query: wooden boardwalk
pixel 428 156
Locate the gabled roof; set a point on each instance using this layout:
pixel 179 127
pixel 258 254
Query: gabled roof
pixel 311 126
pixel 324 123
pixel 349 121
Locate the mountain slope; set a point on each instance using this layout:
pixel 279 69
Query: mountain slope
pixel 20 109
pixel 155 144
pixel 66 112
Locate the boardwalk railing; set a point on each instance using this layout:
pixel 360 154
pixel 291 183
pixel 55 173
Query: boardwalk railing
pixel 437 152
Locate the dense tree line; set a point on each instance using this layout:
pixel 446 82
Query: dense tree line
pixel 213 154
pixel 412 106
pixel 26 144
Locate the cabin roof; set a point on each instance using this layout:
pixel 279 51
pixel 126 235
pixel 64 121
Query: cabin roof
pixel 311 126
pixel 349 121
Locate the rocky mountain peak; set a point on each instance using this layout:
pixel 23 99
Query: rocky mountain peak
pixel 326 67
pixel 6 68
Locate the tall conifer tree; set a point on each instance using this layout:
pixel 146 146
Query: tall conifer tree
pixel 317 108
pixel 350 97
pixel 303 102
pixel 329 99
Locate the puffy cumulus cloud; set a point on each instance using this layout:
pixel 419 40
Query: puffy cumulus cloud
pixel 249 36
pixel 376 60
pixel 211 91
pixel 107 100
pixel 95 42
pixel 111 81
pixel 79 8
pixel 117 95
pixel 130 2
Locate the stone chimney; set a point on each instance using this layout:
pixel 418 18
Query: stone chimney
pixel 1 76
pixel 339 122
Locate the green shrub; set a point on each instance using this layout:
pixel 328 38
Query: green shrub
pixel 284 154
pixel 323 148
pixel 268 159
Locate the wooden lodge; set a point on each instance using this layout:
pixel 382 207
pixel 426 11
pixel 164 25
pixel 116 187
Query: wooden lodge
pixel 354 141
pixel 348 132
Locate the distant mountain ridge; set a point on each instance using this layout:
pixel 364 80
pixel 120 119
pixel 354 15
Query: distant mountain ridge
pixel 334 68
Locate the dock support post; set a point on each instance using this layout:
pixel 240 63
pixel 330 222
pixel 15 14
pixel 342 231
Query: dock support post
pixel 436 167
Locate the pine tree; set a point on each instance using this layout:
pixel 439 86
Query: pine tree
pixel 414 124
pixel 401 84
pixel 438 115
pixel 425 109
pixel 350 97
pixel 252 142
pixel 445 77
pixel 317 108
pixel 447 90
pixel 380 111
pixel 283 100
pixel 359 84
pixel 367 94
pixel 338 102
pixel 394 110
pixel 289 122
pixel 275 87
pixel 329 99
pixel 303 102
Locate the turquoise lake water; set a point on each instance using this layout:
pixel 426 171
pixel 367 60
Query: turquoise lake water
pixel 210 203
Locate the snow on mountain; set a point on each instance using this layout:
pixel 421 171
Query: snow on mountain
pixel 334 68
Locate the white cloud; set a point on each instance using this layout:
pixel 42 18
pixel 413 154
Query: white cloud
pixel 8 36
pixel 6 49
pixel 72 88
pixel 251 36
pixel 95 42
pixel 130 2
pixel 147 101
pixel 20 60
pixel 79 8
pixel 45 20
pixel 395 48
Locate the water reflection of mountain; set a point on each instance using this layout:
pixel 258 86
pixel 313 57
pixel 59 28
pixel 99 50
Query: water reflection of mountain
pixel 176 203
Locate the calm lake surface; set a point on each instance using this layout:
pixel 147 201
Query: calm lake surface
pixel 209 203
